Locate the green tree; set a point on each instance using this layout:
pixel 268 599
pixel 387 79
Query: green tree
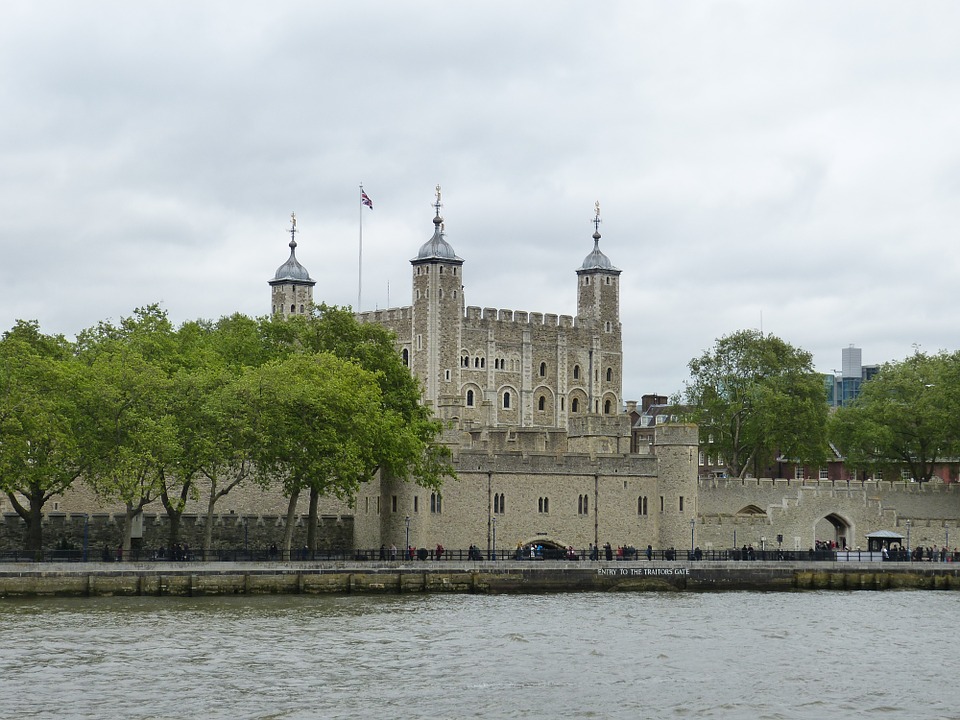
pixel 131 431
pixel 755 397
pixel 40 455
pixel 406 445
pixel 905 419
pixel 316 420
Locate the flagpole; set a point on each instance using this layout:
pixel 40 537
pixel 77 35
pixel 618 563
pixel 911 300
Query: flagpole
pixel 360 259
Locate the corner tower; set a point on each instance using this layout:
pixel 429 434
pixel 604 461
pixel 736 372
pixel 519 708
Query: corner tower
pixel 598 312
pixel 292 292
pixel 437 315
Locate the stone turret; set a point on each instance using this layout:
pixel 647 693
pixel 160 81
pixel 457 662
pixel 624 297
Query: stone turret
pixel 437 316
pixel 676 447
pixel 292 286
pixel 598 308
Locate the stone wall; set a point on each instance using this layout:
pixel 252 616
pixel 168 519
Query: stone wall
pixel 104 532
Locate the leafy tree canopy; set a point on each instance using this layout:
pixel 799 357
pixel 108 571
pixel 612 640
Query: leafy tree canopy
pixel 905 419
pixel 756 397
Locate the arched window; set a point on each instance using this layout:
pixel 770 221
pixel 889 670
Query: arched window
pixel 642 505
pixel 435 503
pixel 609 374
pixel 543 505
pixel 469 398
pixel 586 505
pixel 506 400
pixel 293 308
pixel 606 407
pixel 543 369
pixel 483 362
pixel 476 362
pixel 542 403
pixel 576 372
pixel 575 405
pixel 406 357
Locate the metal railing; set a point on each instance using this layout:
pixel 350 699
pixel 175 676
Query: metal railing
pixel 266 555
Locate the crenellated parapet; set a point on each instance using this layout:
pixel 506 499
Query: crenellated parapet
pixel 386 316
pixel 475 314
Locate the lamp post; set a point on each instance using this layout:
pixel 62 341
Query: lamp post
pixel 494 523
pixel 693 522
pixel 909 557
pixel 406 546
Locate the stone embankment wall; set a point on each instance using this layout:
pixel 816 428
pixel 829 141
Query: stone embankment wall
pixel 104 531
pixel 199 579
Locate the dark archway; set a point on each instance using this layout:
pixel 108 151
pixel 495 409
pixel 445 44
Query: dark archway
pixel 835 529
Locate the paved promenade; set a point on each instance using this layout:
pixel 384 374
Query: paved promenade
pixel 254 578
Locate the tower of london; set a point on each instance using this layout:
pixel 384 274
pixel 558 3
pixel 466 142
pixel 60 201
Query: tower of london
pixel 533 412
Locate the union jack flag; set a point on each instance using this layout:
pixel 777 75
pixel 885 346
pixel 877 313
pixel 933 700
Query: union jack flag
pixel 365 199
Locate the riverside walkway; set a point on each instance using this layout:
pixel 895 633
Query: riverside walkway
pixel 158 578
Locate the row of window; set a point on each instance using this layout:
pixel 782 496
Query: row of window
pixel 425 269
pixel 500 504
pixel 506 402
pixel 436 503
pixel 293 309
pixel 608 280
pixel 479 363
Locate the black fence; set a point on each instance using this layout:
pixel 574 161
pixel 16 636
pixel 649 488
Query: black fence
pixel 472 554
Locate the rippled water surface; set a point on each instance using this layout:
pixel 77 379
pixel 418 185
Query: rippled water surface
pixel 733 655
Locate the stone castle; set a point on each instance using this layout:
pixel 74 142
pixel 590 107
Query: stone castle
pixel 547 451
pixel 545 447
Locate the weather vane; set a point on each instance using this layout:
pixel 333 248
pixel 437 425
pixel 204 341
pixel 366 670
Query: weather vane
pixel 438 204
pixel 293 226
pixel 596 219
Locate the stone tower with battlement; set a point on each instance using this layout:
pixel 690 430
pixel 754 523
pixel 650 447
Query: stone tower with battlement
pixel 489 367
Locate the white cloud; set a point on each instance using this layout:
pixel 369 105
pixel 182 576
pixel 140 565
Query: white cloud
pixel 795 161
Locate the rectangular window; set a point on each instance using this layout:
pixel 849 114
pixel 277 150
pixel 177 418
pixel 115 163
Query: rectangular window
pixel 661 503
pixel 798 473
pixel 701 458
pixel 393 503
pixel 681 503
pixel 416 503
pixel 446 375
pixel 824 474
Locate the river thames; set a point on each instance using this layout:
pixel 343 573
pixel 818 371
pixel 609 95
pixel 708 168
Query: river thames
pixel 625 655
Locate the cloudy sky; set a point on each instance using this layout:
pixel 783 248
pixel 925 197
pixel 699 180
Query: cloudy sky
pixel 793 166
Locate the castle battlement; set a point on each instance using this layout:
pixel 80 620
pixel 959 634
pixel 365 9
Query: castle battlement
pixel 885 486
pixel 519 317
pixel 385 316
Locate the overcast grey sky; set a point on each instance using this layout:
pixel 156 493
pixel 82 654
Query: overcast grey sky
pixel 790 163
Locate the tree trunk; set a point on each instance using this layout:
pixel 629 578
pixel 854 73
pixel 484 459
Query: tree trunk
pixel 312 522
pixel 208 525
pixel 124 553
pixel 288 530
pixel 173 536
pixel 32 517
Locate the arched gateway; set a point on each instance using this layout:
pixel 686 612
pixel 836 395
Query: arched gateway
pixel 833 528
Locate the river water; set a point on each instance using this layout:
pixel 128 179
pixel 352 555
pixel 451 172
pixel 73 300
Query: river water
pixel 630 655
